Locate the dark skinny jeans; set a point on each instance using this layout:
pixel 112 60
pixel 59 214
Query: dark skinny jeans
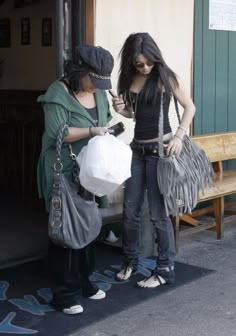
pixel 144 177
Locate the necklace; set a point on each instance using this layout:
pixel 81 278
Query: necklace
pixel 133 97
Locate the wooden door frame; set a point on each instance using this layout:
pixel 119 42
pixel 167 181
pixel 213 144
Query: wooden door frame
pixel 82 29
pixel 90 21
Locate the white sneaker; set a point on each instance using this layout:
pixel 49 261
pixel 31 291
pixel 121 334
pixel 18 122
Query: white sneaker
pixel 99 295
pixel 111 238
pixel 73 310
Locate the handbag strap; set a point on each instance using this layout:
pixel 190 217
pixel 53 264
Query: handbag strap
pixel 59 141
pixel 56 205
pixel 58 165
pixel 161 124
pixel 161 129
pixel 177 108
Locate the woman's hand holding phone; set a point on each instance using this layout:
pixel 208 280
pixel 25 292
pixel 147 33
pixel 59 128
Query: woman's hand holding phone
pixel 117 102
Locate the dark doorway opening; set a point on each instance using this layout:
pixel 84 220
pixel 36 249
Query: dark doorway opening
pixel 23 219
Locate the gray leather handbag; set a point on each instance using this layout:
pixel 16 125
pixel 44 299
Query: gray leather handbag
pixel 74 222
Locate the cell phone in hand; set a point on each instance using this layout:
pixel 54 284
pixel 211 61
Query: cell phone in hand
pixel 112 93
pixel 117 128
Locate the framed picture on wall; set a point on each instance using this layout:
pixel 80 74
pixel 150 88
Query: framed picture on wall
pixel 25 31
pixel 46 32
pixel 5 33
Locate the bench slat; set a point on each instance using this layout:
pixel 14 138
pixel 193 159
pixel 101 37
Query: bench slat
pixel 218 146
pixel 224 184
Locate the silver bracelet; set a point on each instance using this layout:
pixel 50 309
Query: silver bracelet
pixel 178 137
pixel 182 128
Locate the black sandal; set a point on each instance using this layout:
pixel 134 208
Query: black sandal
pixel 162 276
pixel 126 268
pixel 160 282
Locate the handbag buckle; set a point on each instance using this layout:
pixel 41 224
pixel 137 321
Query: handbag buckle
pixel 56 203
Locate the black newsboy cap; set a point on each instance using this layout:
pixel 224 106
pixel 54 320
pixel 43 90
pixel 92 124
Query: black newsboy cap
pixel 101 63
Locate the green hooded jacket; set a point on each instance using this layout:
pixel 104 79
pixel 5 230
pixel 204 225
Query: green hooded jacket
pixel 61 107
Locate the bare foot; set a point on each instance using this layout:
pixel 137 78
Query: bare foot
pixel 152 282
pixel 124 274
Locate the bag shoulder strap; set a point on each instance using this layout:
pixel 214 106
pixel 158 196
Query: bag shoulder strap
pixel 59 141
pixel 58 165
pixel 177 108
pixel 161 123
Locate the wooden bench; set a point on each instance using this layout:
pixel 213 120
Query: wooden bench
pixel 219 147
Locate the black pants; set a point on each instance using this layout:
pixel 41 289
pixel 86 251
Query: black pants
pixel 70 271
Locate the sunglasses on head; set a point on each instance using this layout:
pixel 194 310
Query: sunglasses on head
pixel 142 65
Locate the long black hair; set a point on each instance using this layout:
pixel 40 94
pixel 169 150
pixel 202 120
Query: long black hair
pixel 143 43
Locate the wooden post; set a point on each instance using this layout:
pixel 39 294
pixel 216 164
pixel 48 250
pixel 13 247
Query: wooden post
pixel 90 22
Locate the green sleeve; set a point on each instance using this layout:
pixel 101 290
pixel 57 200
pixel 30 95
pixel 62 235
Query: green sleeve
pixel 55 115
pixel 109 116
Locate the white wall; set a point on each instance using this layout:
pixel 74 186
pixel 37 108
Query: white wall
pixel 29 67
pixel 169 22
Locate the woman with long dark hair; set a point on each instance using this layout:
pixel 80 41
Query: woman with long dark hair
pixel 143 79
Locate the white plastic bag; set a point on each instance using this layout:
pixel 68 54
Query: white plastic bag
pixel 105 163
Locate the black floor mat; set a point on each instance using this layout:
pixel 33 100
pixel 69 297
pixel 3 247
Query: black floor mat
pixel 25 293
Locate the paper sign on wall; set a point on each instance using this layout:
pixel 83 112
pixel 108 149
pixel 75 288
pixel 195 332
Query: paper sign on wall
pixel 222 15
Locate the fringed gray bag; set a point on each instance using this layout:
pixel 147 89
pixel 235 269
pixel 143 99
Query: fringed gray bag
pixel 181 178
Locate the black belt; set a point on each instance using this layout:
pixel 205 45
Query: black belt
pixel 145 149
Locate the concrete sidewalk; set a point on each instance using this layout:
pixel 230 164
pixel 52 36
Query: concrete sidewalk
pixel 205 307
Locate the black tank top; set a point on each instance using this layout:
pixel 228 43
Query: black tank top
pixel 93 111
pixel 147 116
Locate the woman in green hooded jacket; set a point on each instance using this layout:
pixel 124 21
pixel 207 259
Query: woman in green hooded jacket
pixel 80 101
